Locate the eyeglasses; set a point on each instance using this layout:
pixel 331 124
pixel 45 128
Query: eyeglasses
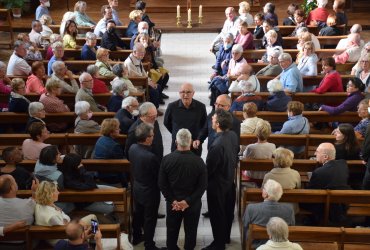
pixel 363 61
pixel 186 92
pixel 307 48
pixel 90 80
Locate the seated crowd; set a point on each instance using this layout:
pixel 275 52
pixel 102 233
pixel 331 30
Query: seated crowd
pixel 59 168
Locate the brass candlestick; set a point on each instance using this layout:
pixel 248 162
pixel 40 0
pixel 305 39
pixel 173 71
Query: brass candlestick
pixel 178 23
pixel 189 25
pixel 200 20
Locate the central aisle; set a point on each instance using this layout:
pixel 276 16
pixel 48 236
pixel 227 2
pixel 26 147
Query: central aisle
pixel 188 59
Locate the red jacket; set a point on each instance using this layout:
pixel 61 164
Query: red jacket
pixel 332 82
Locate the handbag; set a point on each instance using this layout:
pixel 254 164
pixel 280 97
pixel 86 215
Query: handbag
pixel 221 84
pixel 155 75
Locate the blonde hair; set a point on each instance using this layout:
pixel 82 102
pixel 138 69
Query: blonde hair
pixel 21 36
pixel 46 20
pixel 244 7
pixel 100 52
pixel 305 36
pixel 309 43
pixel 55 37
pixel 78 5
pixel 51 84
pixel 44 193
pixel 250 108
pixel 134 14
pixel 108 125
pixel 283 158
pixel 16 83
pixel 263 130
pixel 331 20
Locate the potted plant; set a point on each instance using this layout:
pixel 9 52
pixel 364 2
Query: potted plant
pixel 15 5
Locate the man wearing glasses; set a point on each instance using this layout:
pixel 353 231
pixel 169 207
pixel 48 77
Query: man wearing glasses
pixel 185 113
pixel 291 78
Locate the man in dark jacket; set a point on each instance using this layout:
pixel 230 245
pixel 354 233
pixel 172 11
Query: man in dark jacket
pixel 127 114
pixel 110 40
pixel 221 162
pixel 145 167
pixel 182 180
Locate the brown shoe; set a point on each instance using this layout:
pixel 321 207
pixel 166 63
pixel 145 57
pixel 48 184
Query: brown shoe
pixel 159 113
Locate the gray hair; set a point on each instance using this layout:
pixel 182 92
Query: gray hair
pixel 34 108
pixel 277 229
pixel 237 48
pixel 183 138
pixel 138 46
pixel 141 24
pixel 81 107
pixel 356 28
pixel 322 3
pixel 56 45
pixel 274 85
pixel 128 101
pixel 273 189
pixel 118 69
pixel 83 76
pixel 246 86
pixel 144 108
pixel 229 35
pixel 301 29
pixel 142 131
pixel 92 69
pixel 90 36
pixel 274 51
pixel 46 19
pixel 271 33
pixel 57 66
pixel 17 44
pixel 118 86
pixel 285 57
pixel 2 65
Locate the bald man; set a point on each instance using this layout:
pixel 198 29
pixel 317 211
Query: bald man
pixel 185 113
pixel 333 174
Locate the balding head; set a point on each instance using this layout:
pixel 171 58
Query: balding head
pixel 186 94
pixel 75 232
pixel 325 152
pixel 223 102
pixel 8 186
pixel 246 69
pixel 356 28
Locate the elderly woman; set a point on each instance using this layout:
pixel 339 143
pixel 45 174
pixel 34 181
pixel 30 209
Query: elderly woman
pixel 246 73
pixel 17 102
pixel 36 112
pixel 364 72
pixel 354 93
pixel 278 232
pixel 107 147
pixel 53 39
pixel 282 172
pixel 46 166
pixel 249 124
pixel 70 35
pixel 99 86
pixel 61 70
pixel 135 19
pixel 102 62
pixel 121 72
pixel 261 149
pixel 352 51
pixel 271 43
pixel 58 54
pixel 88 51
pixel 331 27
pixel 248 95
pixel 303 37
pixel 365 50
pixel 223 56
pixel 35 83
pixel 85 125
pixel 46 20
pixel 332 81
pixel 47 213
pixel 273 68
pixel 362 110
pixel 244 15
pixel 244 37
pixel 53 104
pixel 5 87
pixel 307 64
pixel 82 19
pixel 297 124
pixel 268 25
pixel 31 148
pixel 119 92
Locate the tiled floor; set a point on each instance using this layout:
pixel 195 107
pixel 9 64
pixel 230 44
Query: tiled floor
pixel 188 60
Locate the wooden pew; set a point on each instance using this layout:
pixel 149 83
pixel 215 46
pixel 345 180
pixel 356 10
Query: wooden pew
pixel 120 55
pixel 287 30
pixel 57 139
pixel 321 53
pixel 84 29
pixel 312 116
pixel 82 40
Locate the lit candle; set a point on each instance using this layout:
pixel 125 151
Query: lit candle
pixel 189 15
pixel 200 10
pixel 178 10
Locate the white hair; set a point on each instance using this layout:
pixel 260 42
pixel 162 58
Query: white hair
pixel 118 85
pixel 273 190
pixel 34 108
pixel 183 138
pixel 57 66
pixel 90 35
pixel 277 229
pixel 229 35
pixel 285 57
pixel 144 108
pixel 81 107
pixel 274 51
pixel 271 33
pixel 274 85
pixel 83 76
pixel 356 28
pixel 128 101
pixel 237 48
pixel 246 86
pixel 322 3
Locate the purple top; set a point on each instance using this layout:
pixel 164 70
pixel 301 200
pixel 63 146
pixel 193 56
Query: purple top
pixel 350 104
pixel 4 89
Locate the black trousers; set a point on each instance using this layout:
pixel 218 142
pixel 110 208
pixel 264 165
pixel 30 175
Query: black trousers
pixel 221 203
pixel 173 223
pixel 145 216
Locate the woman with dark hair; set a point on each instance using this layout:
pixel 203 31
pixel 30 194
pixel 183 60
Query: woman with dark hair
pixel 141 5
pixel 332 81
pixel 290 21
pixel 299 18
pixel 77 177
pixel 46 166
pixel 69 35
pixel 346 144
pixel 31 148
pixel 355 87
pixel 258 32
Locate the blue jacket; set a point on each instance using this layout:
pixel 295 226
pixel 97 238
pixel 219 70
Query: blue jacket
pixel 223 55
pixel 131 29
pixel 87 53
pixel 292 79
pixel 278 102
pixel 107 148
pixel 114 103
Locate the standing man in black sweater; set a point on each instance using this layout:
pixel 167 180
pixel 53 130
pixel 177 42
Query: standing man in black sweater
pixel 221 162
pixel 182 180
